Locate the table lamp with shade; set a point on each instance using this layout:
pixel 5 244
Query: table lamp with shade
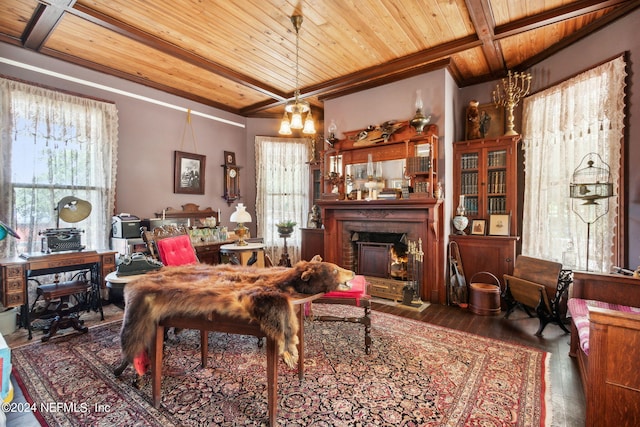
pixel 70 209
pixel 240 217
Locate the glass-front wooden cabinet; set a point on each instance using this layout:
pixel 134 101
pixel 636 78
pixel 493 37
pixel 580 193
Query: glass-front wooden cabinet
pixel 485 173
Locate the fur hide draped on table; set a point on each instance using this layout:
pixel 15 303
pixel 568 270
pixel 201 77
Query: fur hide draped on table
pixel 260 295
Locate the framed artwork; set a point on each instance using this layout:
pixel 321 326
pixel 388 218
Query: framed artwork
pixel 491 120
pixel 229 158
pixel 499 225
pixel 478 227
pixel 188 175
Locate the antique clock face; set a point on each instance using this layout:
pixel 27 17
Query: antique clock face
pixel 231 183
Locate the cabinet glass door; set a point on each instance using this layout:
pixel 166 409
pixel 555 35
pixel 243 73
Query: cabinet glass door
pixel 497 183
pixel 469 181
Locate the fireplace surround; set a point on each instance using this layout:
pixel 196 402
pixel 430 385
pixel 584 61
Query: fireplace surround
pixel 417 218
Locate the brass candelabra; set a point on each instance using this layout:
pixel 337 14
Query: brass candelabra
pixel 514 87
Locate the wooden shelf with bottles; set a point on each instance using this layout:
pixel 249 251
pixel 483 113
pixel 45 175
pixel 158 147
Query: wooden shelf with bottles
pixel 485 173
pixel 419 152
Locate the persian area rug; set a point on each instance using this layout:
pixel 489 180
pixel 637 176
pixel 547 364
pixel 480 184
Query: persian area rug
pixel 417 375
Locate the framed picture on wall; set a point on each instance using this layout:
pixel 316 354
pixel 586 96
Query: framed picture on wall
pixel 478 227
pixel 188 175
pixel 499 225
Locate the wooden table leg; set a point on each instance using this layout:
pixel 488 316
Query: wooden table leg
pixel 156 366
pixel 300 308
pixel 272 381
pixel 204 346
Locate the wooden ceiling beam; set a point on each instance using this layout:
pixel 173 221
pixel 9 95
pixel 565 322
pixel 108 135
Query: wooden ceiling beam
pixel 44 20
pixel 401 68
pixel 482 19
pixel 583 32
pixel 554 16
pixel 147 39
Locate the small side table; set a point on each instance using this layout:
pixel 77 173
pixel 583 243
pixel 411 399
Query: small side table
pixel 249 254
pixel 116 284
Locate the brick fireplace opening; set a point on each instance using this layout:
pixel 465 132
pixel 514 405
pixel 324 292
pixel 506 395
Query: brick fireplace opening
pixel 412 220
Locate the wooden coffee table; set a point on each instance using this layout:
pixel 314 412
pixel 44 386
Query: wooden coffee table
pixel 232 325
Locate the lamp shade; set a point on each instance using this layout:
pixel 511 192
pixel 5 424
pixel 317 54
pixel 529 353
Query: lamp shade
pixel 71 209
pixel 6 230
pixel 240 216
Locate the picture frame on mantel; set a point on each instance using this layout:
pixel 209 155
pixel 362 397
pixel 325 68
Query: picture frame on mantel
pixel 188 175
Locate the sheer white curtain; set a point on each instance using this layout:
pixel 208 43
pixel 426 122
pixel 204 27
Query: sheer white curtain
pixel 561 125
pixel 53 145
pixel 282 181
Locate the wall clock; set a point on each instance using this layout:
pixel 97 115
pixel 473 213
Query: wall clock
pixel 231 183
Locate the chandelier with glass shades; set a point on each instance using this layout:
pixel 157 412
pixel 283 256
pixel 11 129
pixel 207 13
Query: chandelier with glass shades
pixel 297 107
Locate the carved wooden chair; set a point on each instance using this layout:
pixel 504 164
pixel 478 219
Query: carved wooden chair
pixel 170 245
pixel 356 296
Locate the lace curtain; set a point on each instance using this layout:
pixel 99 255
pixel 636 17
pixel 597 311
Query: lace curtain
pixel 561 125
pixel 53 145
pixel 282 187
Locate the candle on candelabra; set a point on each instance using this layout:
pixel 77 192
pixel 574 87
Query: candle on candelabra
pixel 514 87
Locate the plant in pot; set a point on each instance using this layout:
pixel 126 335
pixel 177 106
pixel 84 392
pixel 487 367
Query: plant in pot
pixel 285 228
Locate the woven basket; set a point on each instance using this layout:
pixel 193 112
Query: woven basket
pixel 484 298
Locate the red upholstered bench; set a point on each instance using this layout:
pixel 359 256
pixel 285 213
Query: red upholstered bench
pixel 355 296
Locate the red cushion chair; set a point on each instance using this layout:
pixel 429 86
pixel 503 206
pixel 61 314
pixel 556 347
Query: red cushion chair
pixel 176 250
pixel 356 296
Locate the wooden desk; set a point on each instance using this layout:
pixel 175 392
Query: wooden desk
pixel 218 323
pixel 17 271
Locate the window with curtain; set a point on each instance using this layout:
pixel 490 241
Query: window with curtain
pixel 53 145
pixel 562 125
pixel 282 186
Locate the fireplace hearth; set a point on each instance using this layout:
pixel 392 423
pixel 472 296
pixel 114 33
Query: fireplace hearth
pixel 412 220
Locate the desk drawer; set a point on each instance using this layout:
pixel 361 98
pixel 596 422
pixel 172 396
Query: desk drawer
pixel 14 272
pixel 14 299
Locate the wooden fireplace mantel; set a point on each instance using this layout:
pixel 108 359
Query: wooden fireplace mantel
pixel 418 218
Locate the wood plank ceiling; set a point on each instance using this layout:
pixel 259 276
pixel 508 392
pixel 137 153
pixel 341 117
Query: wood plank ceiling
pixel 240 55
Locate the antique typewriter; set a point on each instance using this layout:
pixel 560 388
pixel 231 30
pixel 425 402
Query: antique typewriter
pixel 138 263
pixel 61 239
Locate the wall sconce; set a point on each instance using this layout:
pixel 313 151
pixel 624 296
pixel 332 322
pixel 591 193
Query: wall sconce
pixel 241 216
pixel 419 121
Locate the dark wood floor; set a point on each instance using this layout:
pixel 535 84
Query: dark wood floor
pixel 566 388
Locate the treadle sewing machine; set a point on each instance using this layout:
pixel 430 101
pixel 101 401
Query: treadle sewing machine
pixel 62 252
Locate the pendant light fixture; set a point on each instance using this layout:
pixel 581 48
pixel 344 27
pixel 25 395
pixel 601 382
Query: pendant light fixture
pixel 297 107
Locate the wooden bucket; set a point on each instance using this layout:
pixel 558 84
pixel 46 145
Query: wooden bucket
pixel 484 298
